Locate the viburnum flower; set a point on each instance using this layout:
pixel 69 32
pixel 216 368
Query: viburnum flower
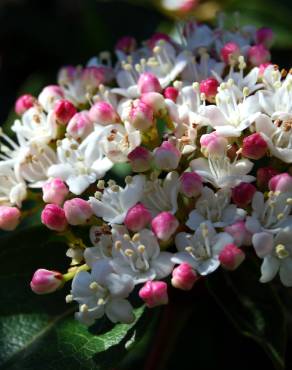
pixel 80 164
pixel 276 251
pixel 140 256
pixel 215 208
pixel 13 189
pixel 102 292
pixel 201 250
pixel 113 204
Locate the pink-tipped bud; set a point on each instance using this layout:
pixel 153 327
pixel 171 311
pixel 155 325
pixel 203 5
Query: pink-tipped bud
pixel 49 95
pixel 265 36
pixel 141 116
pixel 23 103
pixel 140 159
pixel 213 144
pixel 53 216
pixel 239 233
pixel 103 113
pixel 243 193
pixel 154 100
pixel 77 211
pixel 254 146
pixel 191 184
pixel 55 191
pixel 164 225
pixel 9 218
pixel 64 110
pixel 80 126
pixel 263 67
pixel 137 218
pixel 230 52
pixel 46 281
pixel 184 277
pixel 154 293
pixel 167 156
pixel 92 77
pixel 264 175
pixel 156 37
pixel 171 93
pixel 231 257
pixel 258 55
pixel 188 5
pixel 209 87
pixel 281 182
pixel 148 82
pixel 126 44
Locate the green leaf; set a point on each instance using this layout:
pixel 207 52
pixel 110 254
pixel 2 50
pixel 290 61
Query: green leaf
pixel 253 308
pixel 40 332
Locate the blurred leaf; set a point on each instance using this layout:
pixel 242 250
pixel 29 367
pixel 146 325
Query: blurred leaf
pixel 39 332
pixel 254 309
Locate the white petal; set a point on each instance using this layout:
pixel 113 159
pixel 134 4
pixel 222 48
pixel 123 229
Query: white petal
pixel 120 286
pixel 263 244
pixel 286 272
pixel 120 310
pixel 80 284
pixel 194 220
pixel 162 265
pixel 269 269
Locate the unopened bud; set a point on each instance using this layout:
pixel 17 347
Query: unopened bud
pixel 46 281
pixel 164 225
pixel 77 211
pixel 154 293
pixel 9 218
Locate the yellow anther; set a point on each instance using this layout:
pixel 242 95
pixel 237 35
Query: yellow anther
pixel 189 249
pixel 141 248
pixel 289 201
pixel 128 179
pixel 136 237
pixel 84 308
pixel 245 91
pixel 98 195
pixel 126 237
pixel 281 251
pixel 118 244
pixel 100 184
pixel 69 298
pixel 93 285
pixel 129 252
pixel 280 216
pixel 101 302
pixel 115 188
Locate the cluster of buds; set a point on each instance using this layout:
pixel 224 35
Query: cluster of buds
pixel 202 127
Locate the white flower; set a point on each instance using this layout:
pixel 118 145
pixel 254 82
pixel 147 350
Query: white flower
pixel 197 36
pixel 201 250
pixel 80 164
pixel 117 142
pixel 228 117
pixel 276 252
pixel 272 77
pixel 140 257
pixel 101 238
pixel 12 187
pixel 161 195
pixel 114 203
pixel 102 292
pixel 278 135
pixel 270 215
pixel 35 126
pixel 221 172
pixel 215 208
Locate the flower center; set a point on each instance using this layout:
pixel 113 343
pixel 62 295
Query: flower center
pixel 281 251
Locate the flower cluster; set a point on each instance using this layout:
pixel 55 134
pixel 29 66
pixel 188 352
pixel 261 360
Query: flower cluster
pixel 204 125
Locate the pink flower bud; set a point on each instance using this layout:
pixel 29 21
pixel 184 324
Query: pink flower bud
pixel 80 126
pixel 171 93
pixel 191 184
pixel 49 95
pixel 140 159
pixel 281 182
pixel 154 293
pixel 230 52
pixel 258 55
pixel 164 225
pixel 167 156
pixel 92 77
pixel 213 144
pixel 137 218
pixel 264 175
pixel 254 146
pixel 64 110
pixel 154 100
pixel 46 281
pixel 231 257
pixel 209 88
pixel 53 216
pixel 263 67
pixel 239 233
pixel 55 191
pixel 23 103
pixel 188 5
pixel 77 211
pixel 141 116
pixel 184 277
pixel 9 218
pixel 265 36
pixel 243 193
pixel 148 82
pixel 156 37
pixel 126 44
pixel 103 113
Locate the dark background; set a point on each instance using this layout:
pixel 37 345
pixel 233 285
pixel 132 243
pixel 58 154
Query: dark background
pixel 37 37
